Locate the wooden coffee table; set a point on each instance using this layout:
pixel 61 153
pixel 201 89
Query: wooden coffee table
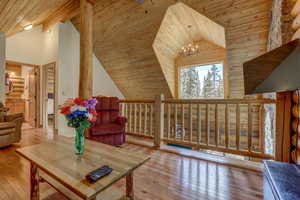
pixel 56 163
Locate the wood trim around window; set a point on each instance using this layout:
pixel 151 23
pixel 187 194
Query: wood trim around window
pixel 209 54
pixel 177 77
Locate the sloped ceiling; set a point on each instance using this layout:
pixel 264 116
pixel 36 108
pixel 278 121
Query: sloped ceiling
pixel 182 25
pixel 15 14
pixel 123 35
pixel 124 31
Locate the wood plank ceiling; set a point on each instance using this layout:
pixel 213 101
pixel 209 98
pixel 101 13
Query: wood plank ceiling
pixel 15 14
pixel 124 31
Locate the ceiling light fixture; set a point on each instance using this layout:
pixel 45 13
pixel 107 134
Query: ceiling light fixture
pixel 28 27
pixel 189 50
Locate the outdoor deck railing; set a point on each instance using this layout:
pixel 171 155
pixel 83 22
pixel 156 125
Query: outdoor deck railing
pixel 234 126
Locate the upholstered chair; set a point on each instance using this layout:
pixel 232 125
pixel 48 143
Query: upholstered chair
pixel 10 127
pixel 110 126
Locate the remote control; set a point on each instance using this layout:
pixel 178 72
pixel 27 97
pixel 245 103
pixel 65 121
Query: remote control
pixel 98 173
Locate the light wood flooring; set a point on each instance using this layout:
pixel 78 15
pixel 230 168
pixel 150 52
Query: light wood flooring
pixel 165 177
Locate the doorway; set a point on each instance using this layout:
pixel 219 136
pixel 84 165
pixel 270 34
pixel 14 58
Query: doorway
pixel 49 91
pixel 21 91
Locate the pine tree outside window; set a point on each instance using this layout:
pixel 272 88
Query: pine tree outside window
pixel 202 81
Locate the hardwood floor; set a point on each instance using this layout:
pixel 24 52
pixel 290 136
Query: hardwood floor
pixel 165 177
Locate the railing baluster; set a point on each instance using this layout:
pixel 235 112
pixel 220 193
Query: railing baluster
pixel 216 126
pixel 226 127
pixel 199 124
pixel 249 128
pixel 175 121
pixel 125 115
pixel 182 122
pixel 129 118
pixel 145 118
pixel 207 124
pixel 191 123
pixel 261 128
pixel 140 118
pixel 151 120
pixel 134 119
pixel 237 126
pixel 168 120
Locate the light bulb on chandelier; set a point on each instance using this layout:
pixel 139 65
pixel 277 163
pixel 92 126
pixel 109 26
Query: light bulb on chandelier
pixel 189 50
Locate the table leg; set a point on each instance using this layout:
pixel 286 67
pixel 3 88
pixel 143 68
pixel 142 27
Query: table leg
pixel 129 187
pixel 34 182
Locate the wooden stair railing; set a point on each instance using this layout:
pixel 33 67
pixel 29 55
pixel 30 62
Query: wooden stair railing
pixel 234 126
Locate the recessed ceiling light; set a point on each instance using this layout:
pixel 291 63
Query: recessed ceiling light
pixel 28 27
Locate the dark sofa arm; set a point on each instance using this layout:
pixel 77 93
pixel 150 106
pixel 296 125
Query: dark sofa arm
pixel 121 120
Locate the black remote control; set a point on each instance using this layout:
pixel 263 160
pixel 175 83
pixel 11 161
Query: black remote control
pixel 98 173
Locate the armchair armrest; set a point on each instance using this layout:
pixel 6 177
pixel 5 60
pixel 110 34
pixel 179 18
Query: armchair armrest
pixel 13 117
pixel 7 125
pixel 121 120
pixel 16 119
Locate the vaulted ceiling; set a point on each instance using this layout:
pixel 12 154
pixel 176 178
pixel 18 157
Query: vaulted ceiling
pixel 124 31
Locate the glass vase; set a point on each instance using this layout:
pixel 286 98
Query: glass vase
pixel 79 140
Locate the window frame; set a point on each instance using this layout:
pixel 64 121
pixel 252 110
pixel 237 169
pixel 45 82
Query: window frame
pixel 178 80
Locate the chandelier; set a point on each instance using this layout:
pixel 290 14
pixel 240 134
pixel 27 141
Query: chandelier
pixel 189 50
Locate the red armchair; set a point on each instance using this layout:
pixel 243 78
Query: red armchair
pixel 109 127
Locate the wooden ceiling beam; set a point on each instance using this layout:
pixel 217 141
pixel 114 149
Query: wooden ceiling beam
pixel 69 10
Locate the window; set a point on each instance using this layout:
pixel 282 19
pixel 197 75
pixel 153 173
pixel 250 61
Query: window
pixel 202 81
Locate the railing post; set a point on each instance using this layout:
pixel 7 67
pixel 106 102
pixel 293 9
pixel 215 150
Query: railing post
pixel 283 129
pixel 159 119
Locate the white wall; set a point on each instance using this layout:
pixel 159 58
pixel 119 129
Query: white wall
pixel 2 67
pixel 68 73
pixel 102 83
pixel 33 47
pixel 60 45
pixel 25 47
pixel 50 45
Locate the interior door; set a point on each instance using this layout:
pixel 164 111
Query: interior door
pixel 49 94
pixel 32 98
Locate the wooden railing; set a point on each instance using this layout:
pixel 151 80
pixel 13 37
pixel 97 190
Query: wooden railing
pixel 140 117
pixel 234 126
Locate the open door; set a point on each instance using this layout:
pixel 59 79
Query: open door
pixel 32 98
pixel 49 95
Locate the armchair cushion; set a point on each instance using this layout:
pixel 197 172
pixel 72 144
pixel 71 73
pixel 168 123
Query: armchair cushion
pixel 121 121
pixel 107 129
